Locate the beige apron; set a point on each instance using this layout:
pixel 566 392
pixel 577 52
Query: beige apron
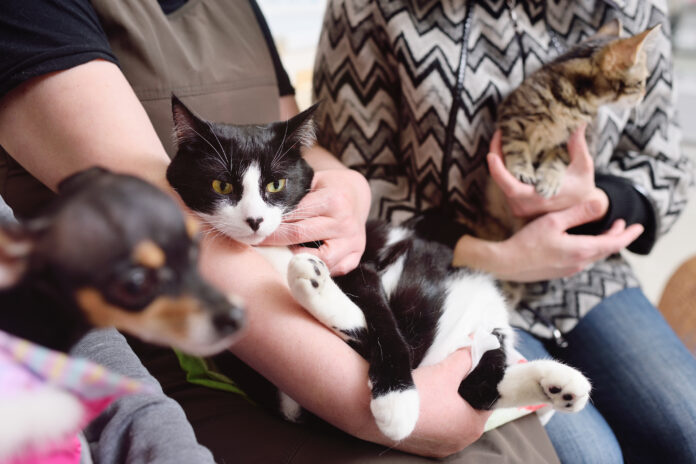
pixel 211 53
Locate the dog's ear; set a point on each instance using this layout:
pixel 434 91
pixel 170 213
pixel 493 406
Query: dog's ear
pixel 16 245
pixel 80 178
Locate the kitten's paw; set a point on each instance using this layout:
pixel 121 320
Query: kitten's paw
pixel 396 413
pixel 521 168
pixel 566 388
pixel 548 183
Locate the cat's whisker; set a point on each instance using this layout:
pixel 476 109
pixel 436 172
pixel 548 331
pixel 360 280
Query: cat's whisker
pixel 222 158
pixel 226 156
pixel 280 147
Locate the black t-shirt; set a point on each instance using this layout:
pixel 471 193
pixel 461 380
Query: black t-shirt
pixel 43 36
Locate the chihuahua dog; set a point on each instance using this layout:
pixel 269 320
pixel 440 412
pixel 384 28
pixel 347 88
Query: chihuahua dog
pixel 111 251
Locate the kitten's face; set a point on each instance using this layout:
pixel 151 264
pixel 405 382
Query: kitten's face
pixel 624 65
pixel 241 179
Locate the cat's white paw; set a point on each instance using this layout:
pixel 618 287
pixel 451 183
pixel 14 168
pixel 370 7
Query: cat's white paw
pixel 307 275
pixel 396 413
pixel 566 388
pixel 312 287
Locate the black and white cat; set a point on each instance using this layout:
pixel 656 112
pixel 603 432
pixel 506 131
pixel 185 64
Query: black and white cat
pixel 403 307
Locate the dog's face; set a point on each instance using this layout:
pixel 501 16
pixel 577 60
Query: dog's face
pixel 121 252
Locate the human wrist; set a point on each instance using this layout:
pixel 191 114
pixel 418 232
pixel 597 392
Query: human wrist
pixel 475 253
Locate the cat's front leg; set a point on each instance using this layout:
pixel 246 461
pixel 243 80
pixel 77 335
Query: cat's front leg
pixel 551 170
pixel 312 287
pixel 544 381
pixel 517 153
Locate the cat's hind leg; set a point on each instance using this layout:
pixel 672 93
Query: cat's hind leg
pixel 551 170
pixel 544 381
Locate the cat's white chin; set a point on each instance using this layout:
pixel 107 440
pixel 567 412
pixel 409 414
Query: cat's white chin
pixel 252 239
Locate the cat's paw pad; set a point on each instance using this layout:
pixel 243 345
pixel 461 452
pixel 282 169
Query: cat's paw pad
pixel 307 276
pixel 566 388
pixel 396 413
pixel 520 168
pixel 548 183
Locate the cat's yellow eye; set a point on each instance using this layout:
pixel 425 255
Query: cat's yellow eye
pixel 275 186
pixel 222 187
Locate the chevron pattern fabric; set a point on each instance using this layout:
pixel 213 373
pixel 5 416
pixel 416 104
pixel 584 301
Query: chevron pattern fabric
pixel 410 90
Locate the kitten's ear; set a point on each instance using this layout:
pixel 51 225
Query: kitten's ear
pixel 15 248
pixel 187 125
pixel 623 53
pixel 300 128
pixel 611 29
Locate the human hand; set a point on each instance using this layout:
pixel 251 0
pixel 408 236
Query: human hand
pixel 544 250
pixel 447 424
pixel 334 213
pixel 578 182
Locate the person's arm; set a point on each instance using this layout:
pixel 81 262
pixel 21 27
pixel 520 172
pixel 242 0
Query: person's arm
pixel 58 124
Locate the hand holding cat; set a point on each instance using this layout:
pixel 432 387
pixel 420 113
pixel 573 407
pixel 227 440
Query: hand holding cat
pixel 334 212
pixel 578 182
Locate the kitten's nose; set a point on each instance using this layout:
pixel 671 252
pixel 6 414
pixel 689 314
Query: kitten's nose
pixel 254 223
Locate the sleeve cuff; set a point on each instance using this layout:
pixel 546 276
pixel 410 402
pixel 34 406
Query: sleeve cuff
pixel 628 203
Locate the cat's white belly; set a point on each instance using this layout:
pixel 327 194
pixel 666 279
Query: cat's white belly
pixel 473 304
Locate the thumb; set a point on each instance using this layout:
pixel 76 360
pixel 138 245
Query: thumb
pixel 582 213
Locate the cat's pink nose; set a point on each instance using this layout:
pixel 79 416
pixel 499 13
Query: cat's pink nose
pixel 254 223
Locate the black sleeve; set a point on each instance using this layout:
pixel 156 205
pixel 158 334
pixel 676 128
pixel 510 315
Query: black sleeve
pixel 41 36
pixel 627 203
pixel 284 85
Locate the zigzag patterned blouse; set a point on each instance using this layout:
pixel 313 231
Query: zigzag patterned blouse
pixel 410 90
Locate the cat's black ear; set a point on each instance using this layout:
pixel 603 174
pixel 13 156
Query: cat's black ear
pixel 187 125
pixel 300 128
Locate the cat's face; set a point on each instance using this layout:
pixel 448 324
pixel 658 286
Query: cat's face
pixel 623 63
pixel 608 69
pixel 241 179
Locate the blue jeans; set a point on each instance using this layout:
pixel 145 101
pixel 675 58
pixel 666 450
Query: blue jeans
pixel 643 400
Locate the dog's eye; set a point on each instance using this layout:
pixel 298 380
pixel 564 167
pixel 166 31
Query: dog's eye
pixel 135 287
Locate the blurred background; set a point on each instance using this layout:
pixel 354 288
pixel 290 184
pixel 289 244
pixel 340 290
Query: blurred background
pixel 296 25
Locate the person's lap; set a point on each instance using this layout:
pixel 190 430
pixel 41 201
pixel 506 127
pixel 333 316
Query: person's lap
pixel 644 386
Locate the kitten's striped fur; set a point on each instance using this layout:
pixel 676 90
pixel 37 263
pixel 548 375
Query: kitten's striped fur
pixel 537 118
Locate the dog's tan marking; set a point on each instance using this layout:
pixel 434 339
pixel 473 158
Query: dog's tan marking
pixel 192 226
pixel 148 254
pixel 166 319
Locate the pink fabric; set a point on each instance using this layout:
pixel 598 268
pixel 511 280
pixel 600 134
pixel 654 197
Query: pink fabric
pixel 25 367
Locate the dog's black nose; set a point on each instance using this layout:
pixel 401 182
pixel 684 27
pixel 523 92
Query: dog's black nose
pixel 254 223
pixel 230 321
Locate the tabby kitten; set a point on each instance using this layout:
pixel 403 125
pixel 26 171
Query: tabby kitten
pixel 404 305
pixel 537 118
